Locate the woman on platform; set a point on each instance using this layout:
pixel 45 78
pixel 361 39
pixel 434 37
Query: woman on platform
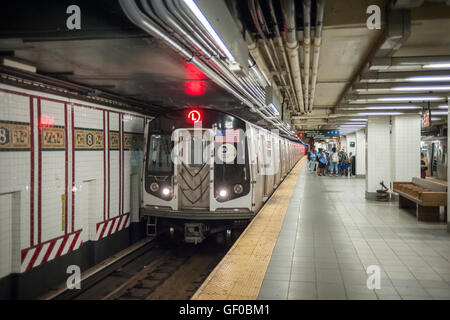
pixel 423 166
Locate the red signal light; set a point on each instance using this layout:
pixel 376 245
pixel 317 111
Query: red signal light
pixel 195 116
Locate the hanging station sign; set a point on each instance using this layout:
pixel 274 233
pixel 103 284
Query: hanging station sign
pixel 318 134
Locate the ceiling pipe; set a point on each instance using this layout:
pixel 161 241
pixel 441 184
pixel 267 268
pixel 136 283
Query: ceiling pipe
pixel 306 47
pixel 283 52
pixel 260 24
pixel 288 8
pixel 316 54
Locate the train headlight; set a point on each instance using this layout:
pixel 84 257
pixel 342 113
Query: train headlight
pixel 154 187
pixel 166 191
pixel 238 188
pixel 223 193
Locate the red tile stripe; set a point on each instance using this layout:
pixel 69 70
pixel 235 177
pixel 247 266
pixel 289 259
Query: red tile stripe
pixel 113 225
pixel 30 256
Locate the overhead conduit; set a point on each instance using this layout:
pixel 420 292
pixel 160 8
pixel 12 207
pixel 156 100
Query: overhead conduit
pixel 288 7
pixel 160 22
pixel 306 47
pixel 316 54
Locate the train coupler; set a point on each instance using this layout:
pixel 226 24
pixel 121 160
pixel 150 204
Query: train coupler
pixel 195 232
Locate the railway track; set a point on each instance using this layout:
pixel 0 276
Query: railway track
pixel 161 271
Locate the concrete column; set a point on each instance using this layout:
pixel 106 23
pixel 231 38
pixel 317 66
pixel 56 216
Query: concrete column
pixel 351 138
pixel 405 147
pixel 378 155
pixel 360 156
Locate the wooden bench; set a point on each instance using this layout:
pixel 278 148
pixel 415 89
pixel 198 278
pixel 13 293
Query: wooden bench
pixel 423 195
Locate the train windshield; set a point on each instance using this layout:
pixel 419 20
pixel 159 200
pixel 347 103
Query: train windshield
pixel 159 154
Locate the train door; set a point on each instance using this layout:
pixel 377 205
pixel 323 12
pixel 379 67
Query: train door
pixel 255 144
pixel 269 165
pixel 192 168
pixel 277 160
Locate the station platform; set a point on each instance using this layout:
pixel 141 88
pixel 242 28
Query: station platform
pixel 315 238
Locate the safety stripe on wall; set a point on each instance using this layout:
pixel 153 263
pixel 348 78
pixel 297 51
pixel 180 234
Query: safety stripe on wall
pixel 112 225
pixel 49 250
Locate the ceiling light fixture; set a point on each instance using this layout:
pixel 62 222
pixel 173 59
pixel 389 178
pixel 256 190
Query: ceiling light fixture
pixel 201 17
pixel 428 78
pixel 392 108
pixel 444 65
pixel 380 113
pixel 423 98
pixel 439 113
pixel 421 88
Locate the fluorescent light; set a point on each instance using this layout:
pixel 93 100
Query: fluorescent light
pixel 424 98
pixel 201 17
pixel 380 113
pixel 392 107
pixel 439 113
pixel 428 78
pixel 437 65
pixel 443 106
pixel 355 119
pixel 421 88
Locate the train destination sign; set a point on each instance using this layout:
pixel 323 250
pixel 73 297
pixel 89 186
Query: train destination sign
pixel 318 134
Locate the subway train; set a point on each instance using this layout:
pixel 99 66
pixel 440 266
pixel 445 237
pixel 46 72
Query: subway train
pixel 207 172
pixel 435 149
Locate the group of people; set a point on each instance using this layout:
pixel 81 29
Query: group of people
pixel 333 163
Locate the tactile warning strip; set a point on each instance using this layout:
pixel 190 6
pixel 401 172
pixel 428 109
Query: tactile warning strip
pixel 241 272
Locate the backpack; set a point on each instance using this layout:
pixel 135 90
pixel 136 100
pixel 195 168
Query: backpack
pixel 335 157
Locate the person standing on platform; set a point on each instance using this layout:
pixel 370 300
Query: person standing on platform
pixel 350 165
pixel 322 163
pixel 334 162
pixel 423 166
pixel 312 161
pixel 342 162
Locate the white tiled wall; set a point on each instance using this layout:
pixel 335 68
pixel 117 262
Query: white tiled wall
pixel 53 178
pixel 14 180
pixel 15 169
pixel 378 153
pixel 405 147
pixel 132 168
pixel 393 150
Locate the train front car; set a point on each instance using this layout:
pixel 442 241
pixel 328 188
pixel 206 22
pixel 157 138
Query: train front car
pixel 197 178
